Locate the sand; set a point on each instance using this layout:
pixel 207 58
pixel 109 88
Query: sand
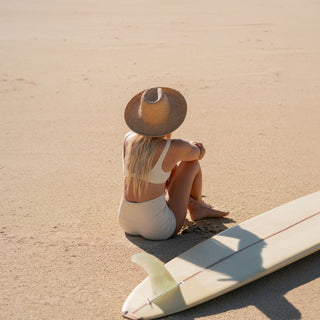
pixel 250 71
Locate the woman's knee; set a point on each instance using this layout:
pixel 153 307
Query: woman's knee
pixel 185 173
pixel 189 165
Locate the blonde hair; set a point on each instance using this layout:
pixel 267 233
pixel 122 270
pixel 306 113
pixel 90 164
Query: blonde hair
pixel 139 159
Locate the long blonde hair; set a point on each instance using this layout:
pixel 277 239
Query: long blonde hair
pixel 139 158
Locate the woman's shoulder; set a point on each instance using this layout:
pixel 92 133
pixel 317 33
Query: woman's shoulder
pixel 179 146
pixel 129 134
pixel 179 143
pixel 183 150
pixel 128 137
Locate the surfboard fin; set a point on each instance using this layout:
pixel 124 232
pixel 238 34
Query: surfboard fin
pixel 161 280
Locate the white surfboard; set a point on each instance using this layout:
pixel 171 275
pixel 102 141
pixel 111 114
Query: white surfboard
pixel 234 257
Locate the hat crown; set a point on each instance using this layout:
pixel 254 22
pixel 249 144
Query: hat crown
pixel 154 106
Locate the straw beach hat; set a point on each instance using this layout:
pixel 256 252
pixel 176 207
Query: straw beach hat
pixel 156 112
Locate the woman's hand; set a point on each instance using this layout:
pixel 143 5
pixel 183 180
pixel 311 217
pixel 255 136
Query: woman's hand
pixel 201 148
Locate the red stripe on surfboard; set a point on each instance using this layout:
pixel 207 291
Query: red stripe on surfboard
pixel 236 252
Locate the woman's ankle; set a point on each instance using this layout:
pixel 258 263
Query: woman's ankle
pixel 197 199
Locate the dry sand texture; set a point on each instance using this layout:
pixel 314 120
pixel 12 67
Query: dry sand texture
pixel 250 71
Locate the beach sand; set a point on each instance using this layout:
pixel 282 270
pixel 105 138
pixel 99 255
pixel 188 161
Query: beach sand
pixel 250 71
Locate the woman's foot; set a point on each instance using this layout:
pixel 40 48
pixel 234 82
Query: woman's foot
pixel 200 210
pixel 205 204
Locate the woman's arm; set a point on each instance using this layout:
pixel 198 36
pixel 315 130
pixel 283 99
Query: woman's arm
pixel 188 151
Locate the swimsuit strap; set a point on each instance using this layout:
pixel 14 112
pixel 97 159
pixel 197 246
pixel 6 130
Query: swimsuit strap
pixel 124 142
pixel 158 165
pixel 123 151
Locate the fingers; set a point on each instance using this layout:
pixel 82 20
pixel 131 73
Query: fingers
pixel 201 148
pixel 198 144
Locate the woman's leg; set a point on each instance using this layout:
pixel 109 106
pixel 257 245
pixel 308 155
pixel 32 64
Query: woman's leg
pixel 184 192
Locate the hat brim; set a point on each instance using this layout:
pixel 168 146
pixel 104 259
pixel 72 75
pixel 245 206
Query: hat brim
pixel 176 116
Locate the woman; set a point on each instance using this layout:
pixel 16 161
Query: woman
pixel 162 175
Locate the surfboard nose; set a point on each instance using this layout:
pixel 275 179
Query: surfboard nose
pixel 130 316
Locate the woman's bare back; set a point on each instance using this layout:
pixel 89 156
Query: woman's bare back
pixel 152 190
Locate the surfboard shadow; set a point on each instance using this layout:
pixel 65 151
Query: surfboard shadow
pixel 266 294
pixel 243 240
